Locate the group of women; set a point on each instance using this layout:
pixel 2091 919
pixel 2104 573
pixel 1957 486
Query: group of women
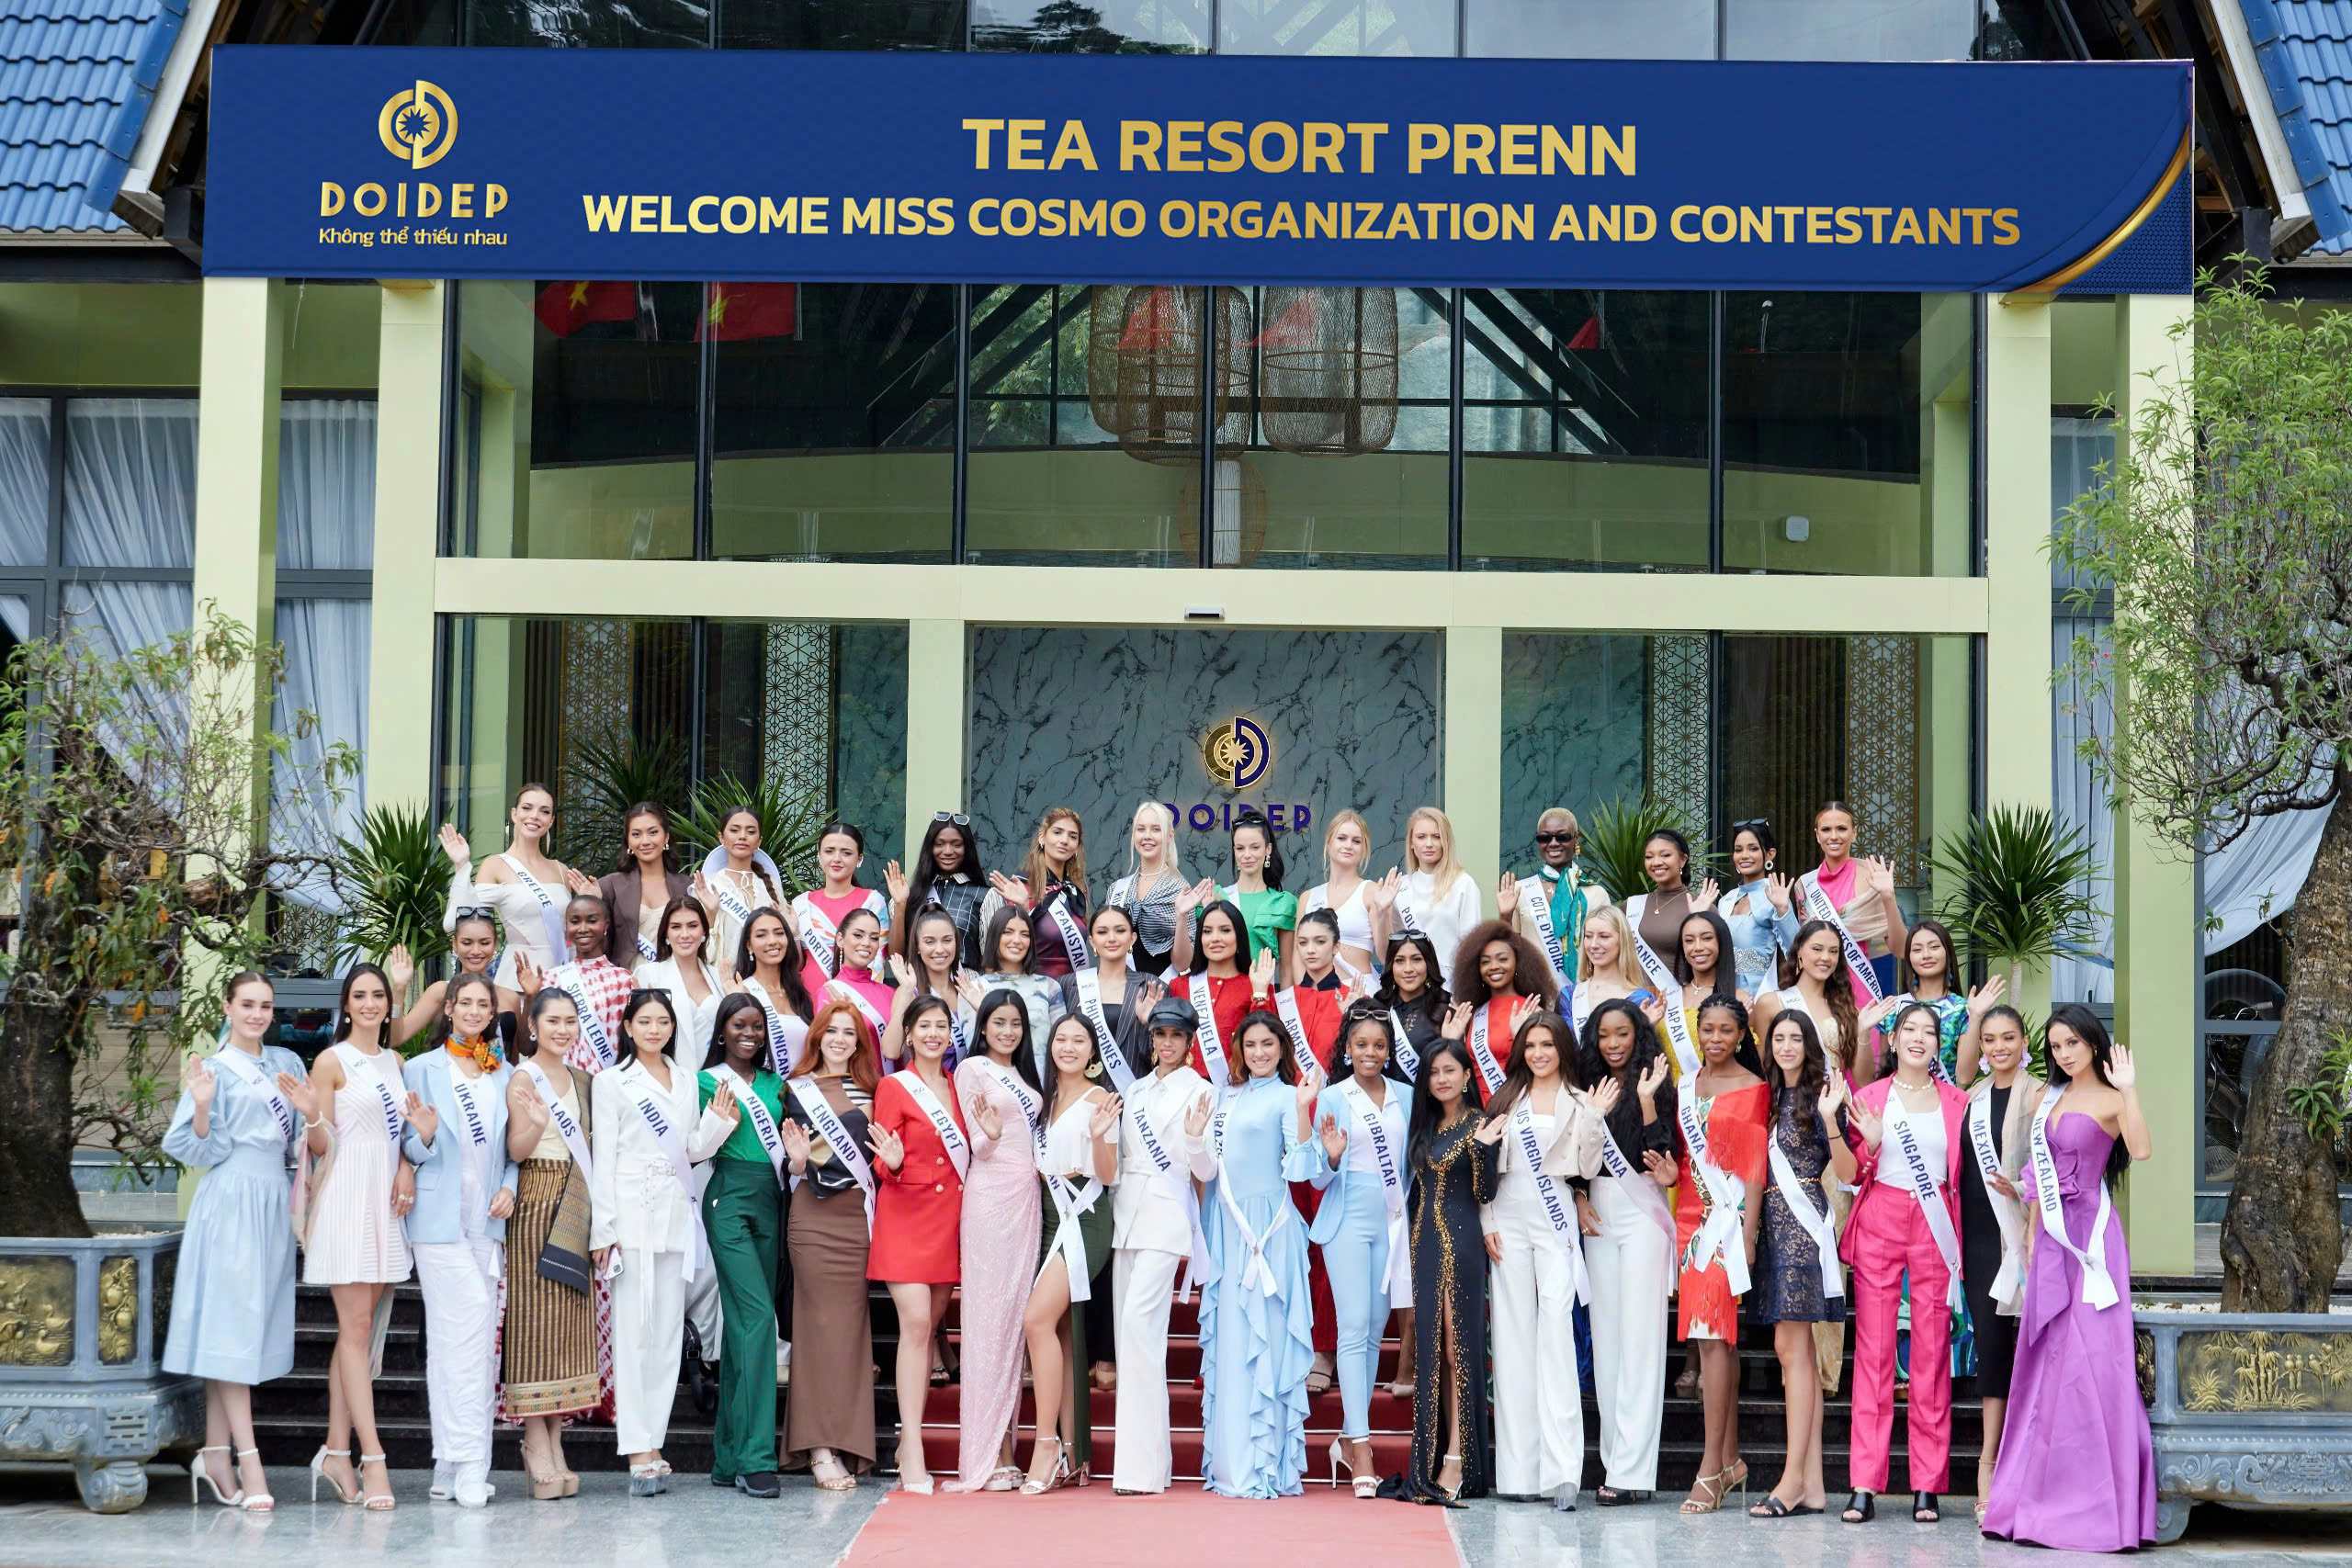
pixel 1040 1124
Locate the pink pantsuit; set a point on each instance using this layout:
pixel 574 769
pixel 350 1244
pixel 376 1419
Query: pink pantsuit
pixel 1887 1235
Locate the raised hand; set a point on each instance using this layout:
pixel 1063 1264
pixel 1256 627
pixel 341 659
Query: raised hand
pixel 453 844
pixel 901 973
pixel 1832 1095
pixel 1605 1095
pixel 1490 1131
pixel 1865 1122
pixel 2120 1073
pixel 1984 998
pixel 727 1109
pixel 1308 1088
pixel 1261 971
pixel 1106 1115
pixel 525 1108
pixel 1505 896
pixel 700 888
pixel 1880 873
pixel 1014 890
pixel 1335 1142
pixel 1661 1169
pixel 1876 1011
pixel 728 981
pixel 1777 887
pixel 1653 1009
pixel 527 976
pixel 1457 1021
pixel 198 1079
pixel 501 1203
pixel 1197 1120
pixel 1707 895
pixel 1147 996
pixel 1653 1078
pixel 796 1145
pixel 886 1146
pixel 1191 899
pixel 399 968
pixel 580 881
pixel 1382 895
pixel 968 986
pixel 421 1116
pixel 984 1116
pixel 894 881
pixel 299 1094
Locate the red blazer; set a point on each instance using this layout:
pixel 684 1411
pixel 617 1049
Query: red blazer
pixel 1230 1004
pixel 1873 1096
pixel 918 1207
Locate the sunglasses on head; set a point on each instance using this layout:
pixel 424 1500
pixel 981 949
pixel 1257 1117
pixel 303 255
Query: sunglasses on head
pixel 953 818
pixel 478 912
pixel 1745 823
pixel 1555 837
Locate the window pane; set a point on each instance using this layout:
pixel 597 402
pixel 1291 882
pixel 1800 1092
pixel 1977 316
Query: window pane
pixel 24 481
pixel 1110 27
pixel 1347 416
pixel 130 483
pixel 1846 433
pixel 1849 29
pixel 589 24
pixel 325 641
pixel 840 24
pixel 1335 27
pixel 576 419
pixel 326 484
pixel 836 421
pixel 1592 29
pixel 1085 426
pixel 1584 429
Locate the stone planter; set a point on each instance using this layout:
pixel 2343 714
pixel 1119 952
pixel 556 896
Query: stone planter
pixel 82 1328
pixel 2250 1410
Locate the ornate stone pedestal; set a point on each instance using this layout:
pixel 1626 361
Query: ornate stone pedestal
pixel 2248 1410
pixel 82 1328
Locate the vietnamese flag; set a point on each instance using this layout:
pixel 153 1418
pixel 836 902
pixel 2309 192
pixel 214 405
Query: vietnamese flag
pixel 565 307
pixel 750 309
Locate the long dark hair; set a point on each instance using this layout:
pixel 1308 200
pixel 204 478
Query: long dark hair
pixel 663 952
pixel 1361 1013
pixel 1095 1058
pixel 624 1048
pixel 1745 1052
pixel 1794 1101
pixel 1936 928
pixel 1625 1121
pixel 926 873
pixel 1519 1079
pixel 1726 956
pixel 1531 972
pixel 913 954
pixel 917 1004
pixel 2093 1034
pixel 660 814
pixel 1240 935
pixel 1250 817
pixel 992 943
pixel 1420 1132
pixel 342 1004
pixel 1432 1001
pixel 729 1006
pixel 1285 1066
pixel 1887 1031
pixel 795 990
pixel 1024 1053
pixel 841 958
pixel 528 1044
pixel 1839 989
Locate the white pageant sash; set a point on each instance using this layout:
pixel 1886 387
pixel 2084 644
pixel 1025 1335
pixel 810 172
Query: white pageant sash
pixel 1406 919
pixel 1301 1050
pixel 1392 1187
pixel 951 1136
pixel 764 1125
pixel 1670 991
pixel 1212 1057
pixel 856 999
pixel 1924 1185
pixel 1556 1206
pixel 647 949
pixel 550 911
pixel 2008 1283
pixel 818 932
pixel 1087 983
pixel 672 1140
pixel 835 1131
pixel 1155 1148
pixel 1818 905
pixel 365 1075
pixel 461 1089
pixel 1643 1192
pixel 1068 1202
pixel 1073 935
pixel 2098 1284
pixel 731 903
pixel 1821 1226
pixel 1539 912
pixel 1255 1274
pixel 1482 1051
pixel 788 1032
pixel 567 1126
pixel 1725 1191
pixel 1407 1057
pixel 572 984
pixel 247 1070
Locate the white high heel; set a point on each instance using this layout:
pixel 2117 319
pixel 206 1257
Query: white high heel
pixel 198 1475
pixel 255 1502
pixel 373 1504
pixel 319 1473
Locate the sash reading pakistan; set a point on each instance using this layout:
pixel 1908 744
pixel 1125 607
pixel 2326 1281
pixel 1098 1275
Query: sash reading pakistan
pixel 1556 1206
pixel 2006 1212
pixel 1392 1187
pixel 1818 905
pixel 2098 1284
pixel 764 1125
pixel 1073 935
pixel 951 1136
pixel 830 1127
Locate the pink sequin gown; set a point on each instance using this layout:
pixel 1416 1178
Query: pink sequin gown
pixel 1001 1214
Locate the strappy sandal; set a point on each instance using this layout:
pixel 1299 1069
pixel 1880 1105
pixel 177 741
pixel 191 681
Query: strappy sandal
pixel 1612 1497
pixel 377 1503
pixel 1712 1486
pixel 1033 1487
pixel 319 1473
pixel 1772 1507
pixel 253 1502
pixel 199 1476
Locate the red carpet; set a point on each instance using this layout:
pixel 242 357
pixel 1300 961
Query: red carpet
pixel 1090 1526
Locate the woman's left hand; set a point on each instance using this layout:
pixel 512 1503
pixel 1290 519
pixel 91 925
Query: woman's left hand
pixel 404 1189
pixel 502 1204
pixel 1605 1095
pixel 1494 1246
pixel 579 882
pixel 422 1117
pixel 1335 1142
pixel 1490 1131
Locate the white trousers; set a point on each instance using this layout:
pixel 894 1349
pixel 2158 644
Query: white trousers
pixel 460 1280
pixel 1144 1286
pixel 1628 1262
pixel 649 1336
pixel 1539 1393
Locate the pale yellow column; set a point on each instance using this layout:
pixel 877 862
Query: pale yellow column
pixel 1472 725
pixel 236 454
pixel 935 710
pixel 2158 959
pixel 408 527
pixel 2017 746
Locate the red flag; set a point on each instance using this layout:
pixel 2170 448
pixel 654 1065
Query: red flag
pixel 750 309
pixel 1295 328
pixel 1587 335
pixel 1153 322
pixel 565 307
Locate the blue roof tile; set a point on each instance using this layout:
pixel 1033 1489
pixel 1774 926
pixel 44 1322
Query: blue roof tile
pixel 2305 46
pixel 76 77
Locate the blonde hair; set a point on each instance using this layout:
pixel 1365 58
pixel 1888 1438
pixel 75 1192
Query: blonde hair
pixel 1034 869
pixel 1562 811
pixel 1167 820
pixel 1350 815
pixel 1629 969
pixel 1449 869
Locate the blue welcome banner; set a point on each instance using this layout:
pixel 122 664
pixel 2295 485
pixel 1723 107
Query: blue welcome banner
pixel 626 165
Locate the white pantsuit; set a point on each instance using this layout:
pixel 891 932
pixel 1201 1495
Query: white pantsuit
pixel 1631 1263
pixel 1539 1391
pixel 642 1207
pixel 1151 1238
pixel 462 1281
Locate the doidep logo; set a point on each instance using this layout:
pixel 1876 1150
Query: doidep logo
pixel 1237 752
pixel 418 124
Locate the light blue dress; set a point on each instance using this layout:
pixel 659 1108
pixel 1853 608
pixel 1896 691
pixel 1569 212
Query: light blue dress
pixel 1257 1324
pixel 1352 1229
pixel 1759 936
pixel 232 1299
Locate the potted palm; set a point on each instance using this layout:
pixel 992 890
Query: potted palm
pixel 1617 833
pixel 789 820
pixel 395 882
pixel 2018 878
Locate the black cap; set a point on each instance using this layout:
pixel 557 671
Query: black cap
pixel 1174 1012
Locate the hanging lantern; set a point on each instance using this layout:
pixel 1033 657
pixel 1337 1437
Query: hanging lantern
pixel 1143 367
pixel 1327 378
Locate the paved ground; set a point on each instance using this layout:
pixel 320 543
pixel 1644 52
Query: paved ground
pixel 697 1526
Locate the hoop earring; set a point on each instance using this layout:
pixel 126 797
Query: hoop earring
pixel 1094 1068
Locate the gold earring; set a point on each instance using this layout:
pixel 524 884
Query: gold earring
pixel 1094 1068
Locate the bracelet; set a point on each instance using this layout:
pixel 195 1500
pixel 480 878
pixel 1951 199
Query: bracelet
pixel 315 1121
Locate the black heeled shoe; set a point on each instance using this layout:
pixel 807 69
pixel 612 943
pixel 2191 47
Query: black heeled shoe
pixel 1861 1507
pixel 1610 1498
pixel 1924 1510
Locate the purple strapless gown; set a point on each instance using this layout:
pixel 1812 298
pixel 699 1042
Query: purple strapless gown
pixel 2076 1470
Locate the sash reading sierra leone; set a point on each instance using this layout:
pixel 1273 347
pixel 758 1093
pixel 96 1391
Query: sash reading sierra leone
pixel 1716 1235
pixel 1371 1119
pixel 247 1070
pixel 2006 1212
pixel 810 1098
pixel 764 1125
pixel 951 1136
pixel 2098 1284
pixel 1818 905
pixel 569 981
pixel 1924 1186
pixel 567 1126
pixel 1556 1206
pixel 1219 1069
pixel 1818 1225
pixel 550 911
pixel 1302 1053
pixel 1087 983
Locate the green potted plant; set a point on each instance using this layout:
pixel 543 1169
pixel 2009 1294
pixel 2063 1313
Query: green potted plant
pixel 789 821
pixel 2016 878
pixel 1616 834
pixel 395 883
pixel 605 776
